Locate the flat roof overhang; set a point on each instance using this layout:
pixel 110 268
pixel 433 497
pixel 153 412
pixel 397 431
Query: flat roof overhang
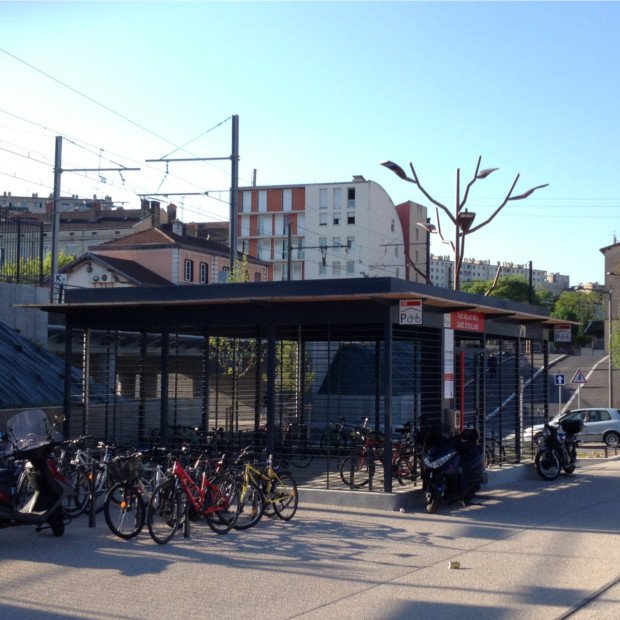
pixel 248 296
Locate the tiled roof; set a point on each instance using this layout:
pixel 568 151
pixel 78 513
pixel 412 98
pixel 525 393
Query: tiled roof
pixel 129 269
pixel 157 237
pixel 135 271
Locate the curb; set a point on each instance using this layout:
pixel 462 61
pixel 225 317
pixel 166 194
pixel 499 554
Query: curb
pixel 406 499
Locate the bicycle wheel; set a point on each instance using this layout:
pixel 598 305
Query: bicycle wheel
pixel 103 483
pixel 23 491
pixel 406 469
pixel 361 467
pixel 266 490
pixel 76 504
pixel 251 507
pixel 124 510
pixel 222 501
pixel 165 512
pixel 285 496
pixel 333 443
pixel 300 453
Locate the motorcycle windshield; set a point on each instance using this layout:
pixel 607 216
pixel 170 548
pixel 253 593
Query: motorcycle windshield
pixel 28 429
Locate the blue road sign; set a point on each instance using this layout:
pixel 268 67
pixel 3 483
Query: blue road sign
pixel 560 380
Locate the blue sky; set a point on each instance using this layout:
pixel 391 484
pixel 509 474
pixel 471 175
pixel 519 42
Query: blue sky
pixel 324 91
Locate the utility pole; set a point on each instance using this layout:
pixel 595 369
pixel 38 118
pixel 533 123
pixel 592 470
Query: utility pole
pixel 56 217
pixel 234 184
pixel 290 251
pixel 234 190
pixel 58 170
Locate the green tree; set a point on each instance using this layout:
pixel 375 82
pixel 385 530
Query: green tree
pixel 239 271
pixel 579 306
pixel 513 288
pixel 236 357
pixel 30 266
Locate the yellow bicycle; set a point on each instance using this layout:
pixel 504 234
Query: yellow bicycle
pixel 278 490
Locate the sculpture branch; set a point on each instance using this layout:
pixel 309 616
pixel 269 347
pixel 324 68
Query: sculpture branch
pixel 462 203
pixel 504 203
pixel 417 270
pixel 435 202
pixel 450 243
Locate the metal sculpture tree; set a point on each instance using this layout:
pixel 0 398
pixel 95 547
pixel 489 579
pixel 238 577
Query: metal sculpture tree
pixel 461 218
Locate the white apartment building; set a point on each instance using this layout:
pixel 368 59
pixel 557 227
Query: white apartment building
pixel 323 230
pixel 442 269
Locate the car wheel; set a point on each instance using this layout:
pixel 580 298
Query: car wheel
pixel 612 439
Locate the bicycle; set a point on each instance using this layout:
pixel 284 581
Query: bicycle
pixel 494 451
pixel 182 497
pixel 407 456
pixel 358 469
pixel 83 461
pixel 125 504
pixel 290 445
pixel 334 440
pixel 76 475
pixel 278 488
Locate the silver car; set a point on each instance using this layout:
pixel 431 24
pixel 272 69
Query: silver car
pixel 599 424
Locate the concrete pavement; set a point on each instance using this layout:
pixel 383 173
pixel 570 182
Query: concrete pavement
pixel 527 549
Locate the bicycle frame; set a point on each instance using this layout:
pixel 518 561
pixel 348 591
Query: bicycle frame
pixel 195 492
pixel 251 474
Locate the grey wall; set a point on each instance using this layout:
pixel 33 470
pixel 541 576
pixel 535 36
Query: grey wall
pixel 32 324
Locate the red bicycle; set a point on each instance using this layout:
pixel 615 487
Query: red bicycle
pixel 183 496
pixel 358 468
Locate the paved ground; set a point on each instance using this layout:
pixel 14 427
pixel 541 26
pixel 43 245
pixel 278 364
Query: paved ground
pixel 527 549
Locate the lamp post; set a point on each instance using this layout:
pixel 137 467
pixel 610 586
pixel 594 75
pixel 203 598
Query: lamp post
pixel 610 387
pixel 462 219
pixel 609 334
pixel 430 229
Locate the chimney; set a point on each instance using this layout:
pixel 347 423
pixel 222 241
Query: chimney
pixel 95 210
pixel 172 213
pixel 156 214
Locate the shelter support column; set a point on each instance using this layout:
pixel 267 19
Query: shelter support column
pixel 164 397
pixel 271 386
pixel 387 400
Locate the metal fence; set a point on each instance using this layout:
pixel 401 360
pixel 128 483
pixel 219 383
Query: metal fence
pixel 21 248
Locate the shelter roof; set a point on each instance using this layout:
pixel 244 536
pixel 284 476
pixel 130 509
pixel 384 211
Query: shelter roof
pixel 382 290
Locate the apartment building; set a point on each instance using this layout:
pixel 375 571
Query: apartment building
pixel 39 204
pixel 442 269
pixel 323 230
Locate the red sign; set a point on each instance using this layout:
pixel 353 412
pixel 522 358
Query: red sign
pixel 467 321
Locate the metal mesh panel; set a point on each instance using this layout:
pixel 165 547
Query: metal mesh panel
pixel 212 389
pixel 21 248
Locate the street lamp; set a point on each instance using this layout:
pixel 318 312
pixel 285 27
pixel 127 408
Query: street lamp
pixel 609 334
pixel 430 229
pixel 462 219
pixel 610 386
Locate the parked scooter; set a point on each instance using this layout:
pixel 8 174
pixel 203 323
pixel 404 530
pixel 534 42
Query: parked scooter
pixel 31 438
pixel 454 469
pixel 558 449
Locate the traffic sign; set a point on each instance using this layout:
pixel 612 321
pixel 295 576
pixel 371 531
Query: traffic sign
pixel 578 378
pixel 410 312
pixel 559 380
pixel 562 333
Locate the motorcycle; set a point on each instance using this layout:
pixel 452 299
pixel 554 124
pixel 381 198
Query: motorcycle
pixel 453 469
pixel 558 449
pixel 31 439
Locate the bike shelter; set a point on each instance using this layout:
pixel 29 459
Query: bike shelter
pixel 276 362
